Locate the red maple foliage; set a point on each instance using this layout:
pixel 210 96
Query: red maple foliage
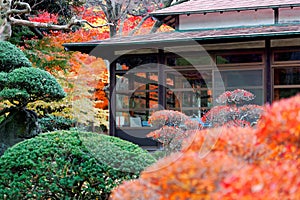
pixel 45 17
pixel 172 128
pixel 240 163
pixel 279 127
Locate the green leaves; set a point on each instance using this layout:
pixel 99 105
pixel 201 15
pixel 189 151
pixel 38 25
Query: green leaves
pixel 11 94
pixel 21 83
pixel 30 84
pixel 11 57
pixel 62 165
pixel 40 84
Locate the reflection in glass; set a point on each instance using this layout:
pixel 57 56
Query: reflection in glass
pixel 250 80
pixel 280 93
pixel 122 83
pixel 188 91
pixel 189 61
pixel 127 63
pixel 143 102
pixel 287 56
pixel 244 78
pixel 239 58
pixel 287 76
pixel 136 97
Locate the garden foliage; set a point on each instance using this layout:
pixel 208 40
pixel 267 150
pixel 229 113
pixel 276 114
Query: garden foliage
pixel 69 165
pixel 233 110
pixel 11 58
pixel 20 84
pixel 240 163
pixel 172 128
pixel 28 84
pixel 54 123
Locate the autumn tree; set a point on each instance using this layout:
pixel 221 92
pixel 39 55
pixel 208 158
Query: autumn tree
pixel 21 84
pixel 117 11
pixel 172 128
pixel 14 13
pixel 229 162
pixel 233 110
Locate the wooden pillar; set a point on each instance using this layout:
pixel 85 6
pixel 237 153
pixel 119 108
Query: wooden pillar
pixel 276 15
pixel 161 78
pixel 268 71
pixel 112 99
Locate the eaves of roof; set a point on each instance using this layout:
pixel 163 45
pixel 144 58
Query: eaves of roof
pixel 208 6
pixel 174 38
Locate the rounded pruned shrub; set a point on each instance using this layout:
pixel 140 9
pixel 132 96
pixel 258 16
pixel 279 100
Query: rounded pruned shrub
pixel 31 84
pixel 11 57
pixel 20 84
pixel 69 165
pixel 53 123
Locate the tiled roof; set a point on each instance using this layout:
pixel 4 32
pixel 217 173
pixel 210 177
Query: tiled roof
pixel 205 6
pixel 203 35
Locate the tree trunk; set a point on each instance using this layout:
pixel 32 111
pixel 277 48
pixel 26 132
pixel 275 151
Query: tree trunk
pixel 16 127
pixel 113 31
pixel 5 30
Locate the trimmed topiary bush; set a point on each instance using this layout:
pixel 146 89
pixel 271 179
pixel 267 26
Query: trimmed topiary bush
pixel 11 57
pixel 54 123
pixel 69 165
pixel 21 84
pixel 30 84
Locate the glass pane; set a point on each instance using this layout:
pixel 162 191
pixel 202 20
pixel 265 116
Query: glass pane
pixel 287 56
pixel 193 113
pixel 242 78
pixel 142 104
pixel 250 80
pixel 239 58
pixel 188 91
pixel 143 100
pixel 122 101
pixel 136 97
pixel 285 92
pixel 137 81
pixel 126 63
pixel 144 80
pixel 189 61
pixel 258 100
pixel 122 83
pixel 189 102
pixel 172 101
pixel 287 76
pixel 122 119
pixel 189 79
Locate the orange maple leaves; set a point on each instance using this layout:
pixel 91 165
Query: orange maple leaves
pixel 229 163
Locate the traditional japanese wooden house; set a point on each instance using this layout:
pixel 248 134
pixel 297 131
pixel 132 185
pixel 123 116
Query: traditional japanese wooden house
pixel 217 45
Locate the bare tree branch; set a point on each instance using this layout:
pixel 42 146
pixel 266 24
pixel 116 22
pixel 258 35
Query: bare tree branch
pixel 156 26
pixel 37 3
pixel 18 11
pixel 169 3
pixel 73 22
pixel 93 26
pixel 139 25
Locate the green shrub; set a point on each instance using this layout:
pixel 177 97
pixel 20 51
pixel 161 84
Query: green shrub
pixel 69 165
pixel 20 84
pixel 19 33
pixel 54 123
pixel 31 84
pixel 11 57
